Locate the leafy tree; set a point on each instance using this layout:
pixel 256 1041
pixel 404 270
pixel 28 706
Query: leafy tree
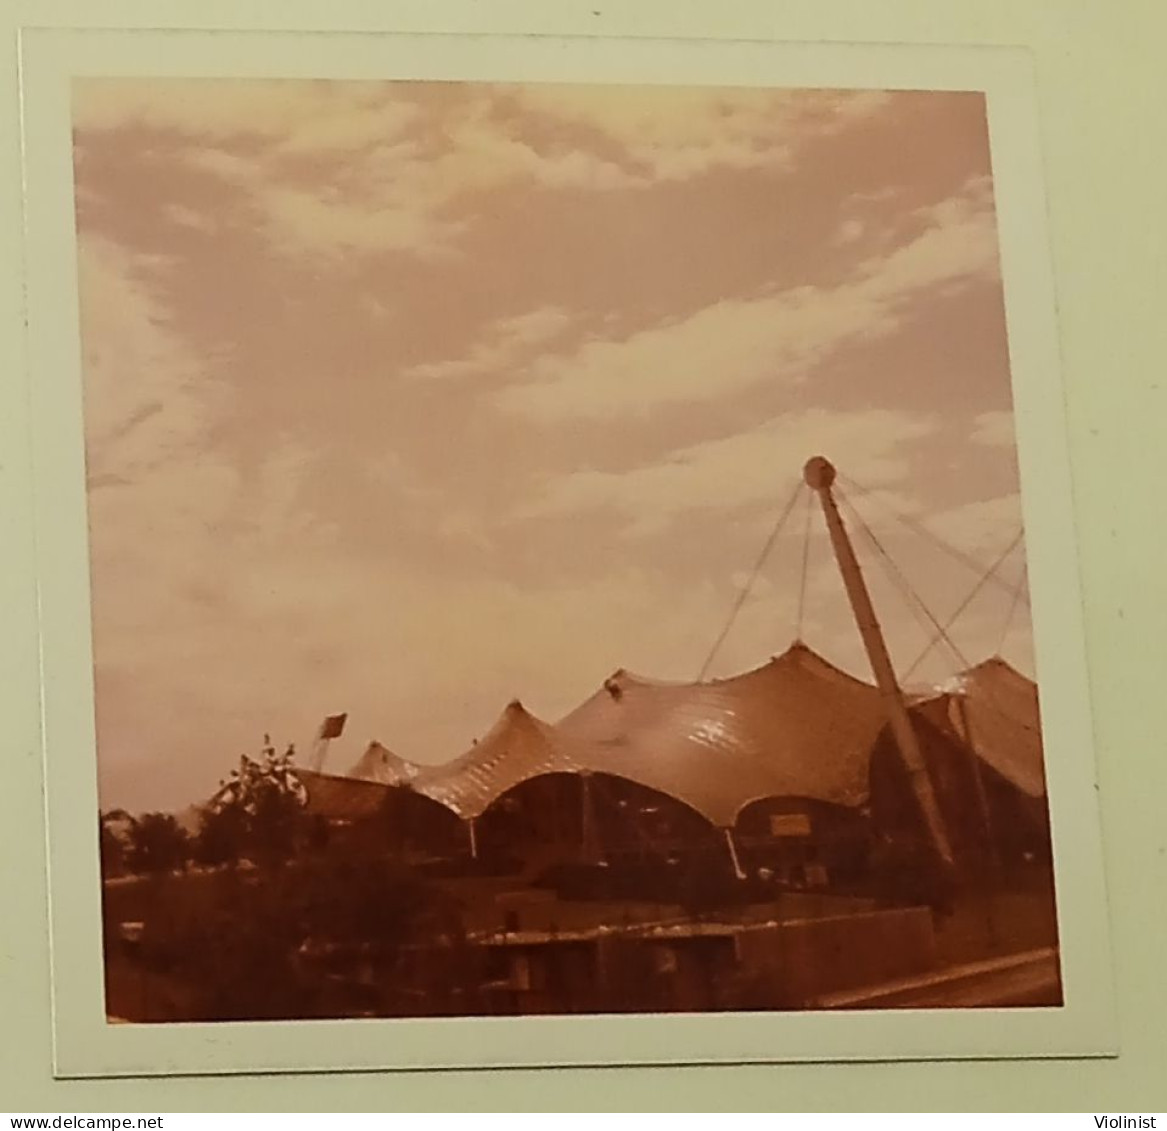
pixel 222 836
pixel 258 812
pixel 114 824
pixel 327 936
pixel 158 844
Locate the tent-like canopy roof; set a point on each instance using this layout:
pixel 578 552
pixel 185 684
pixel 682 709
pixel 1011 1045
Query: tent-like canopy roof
pixel 1004 721
pixel 341 798
pixel 380 764
pixel 518 747
pixel 795 727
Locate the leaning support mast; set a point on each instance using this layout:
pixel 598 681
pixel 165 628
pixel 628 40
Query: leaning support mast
pixel 819 474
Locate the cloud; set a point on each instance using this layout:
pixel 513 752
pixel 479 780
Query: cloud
pixel 849 231
pixel 319 221
pixel 296 116
pixel 185 217
pixel 483 149
pixel 331 172
pixel 507 342
pixel 745 470
pixel 984 527
pixel 994 429
pixel 336 168
pixel 736 344
pixel 713 353
pixel 397 198
pixel 149 395
pixel 675 134
pixel 171 512
pixel 156 486
pixel 960 239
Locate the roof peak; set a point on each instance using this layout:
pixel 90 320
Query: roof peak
pixel 807 657
pixel 516 711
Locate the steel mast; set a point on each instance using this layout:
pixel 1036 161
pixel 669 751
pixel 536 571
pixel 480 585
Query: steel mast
pixel 819 474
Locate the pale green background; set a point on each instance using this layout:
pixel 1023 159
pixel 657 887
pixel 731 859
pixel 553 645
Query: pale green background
pixel 1100 89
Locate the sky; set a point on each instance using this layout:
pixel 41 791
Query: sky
pixel 409 399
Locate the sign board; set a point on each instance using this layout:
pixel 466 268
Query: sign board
pixel 790 824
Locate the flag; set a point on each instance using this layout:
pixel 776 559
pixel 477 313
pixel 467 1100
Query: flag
pixel 333 726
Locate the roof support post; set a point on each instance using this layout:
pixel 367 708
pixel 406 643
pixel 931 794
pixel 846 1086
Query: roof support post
pixel 958 707
pixel 819 474
pixel 589 841
pixel 733 857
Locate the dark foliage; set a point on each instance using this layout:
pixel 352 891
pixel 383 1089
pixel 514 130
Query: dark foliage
pixel 258 814
pixel 114 846
pixel 316 938
pixel 158 844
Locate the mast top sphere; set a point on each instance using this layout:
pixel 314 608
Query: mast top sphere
pixel 819 473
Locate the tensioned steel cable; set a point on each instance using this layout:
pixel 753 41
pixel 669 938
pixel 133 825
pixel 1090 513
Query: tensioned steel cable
pixel 967 560
pixel 890 565
pixel 1001 558
pixel 745 591
pixel 805 564
pixel 1013 606
pixel 962 660
pixel 895 576
pixel 913 599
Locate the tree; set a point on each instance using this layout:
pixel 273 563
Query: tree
pixel 327 936
pixel 114 826
pixel 158 844
pixel 223 835
pixel 258 812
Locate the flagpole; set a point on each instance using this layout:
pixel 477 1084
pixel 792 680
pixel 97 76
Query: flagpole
pixel 332 727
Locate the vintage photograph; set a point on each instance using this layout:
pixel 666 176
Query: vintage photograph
pixel 555 549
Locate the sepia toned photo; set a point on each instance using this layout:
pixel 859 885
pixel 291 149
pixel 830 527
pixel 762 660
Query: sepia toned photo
pixel 555 549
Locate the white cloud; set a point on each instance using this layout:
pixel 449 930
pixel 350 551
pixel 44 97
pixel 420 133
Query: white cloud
pixel 507 342
pixel 396 197
pixel 335 168
pixel 749 469
pixel 348 175
pixel 995 429
pixel 707 356
pixel 983 528
pixel 962 241
pixel 483 152
pixel 850 231
pixel 189 218
pixel 297 116
pixel 671 133
pixel 738 343
pixel 170 512
pixel 148 395
pixel 320 221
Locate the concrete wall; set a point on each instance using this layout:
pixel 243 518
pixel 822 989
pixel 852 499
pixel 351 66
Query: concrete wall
pixel 794 962
pixel 781 966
